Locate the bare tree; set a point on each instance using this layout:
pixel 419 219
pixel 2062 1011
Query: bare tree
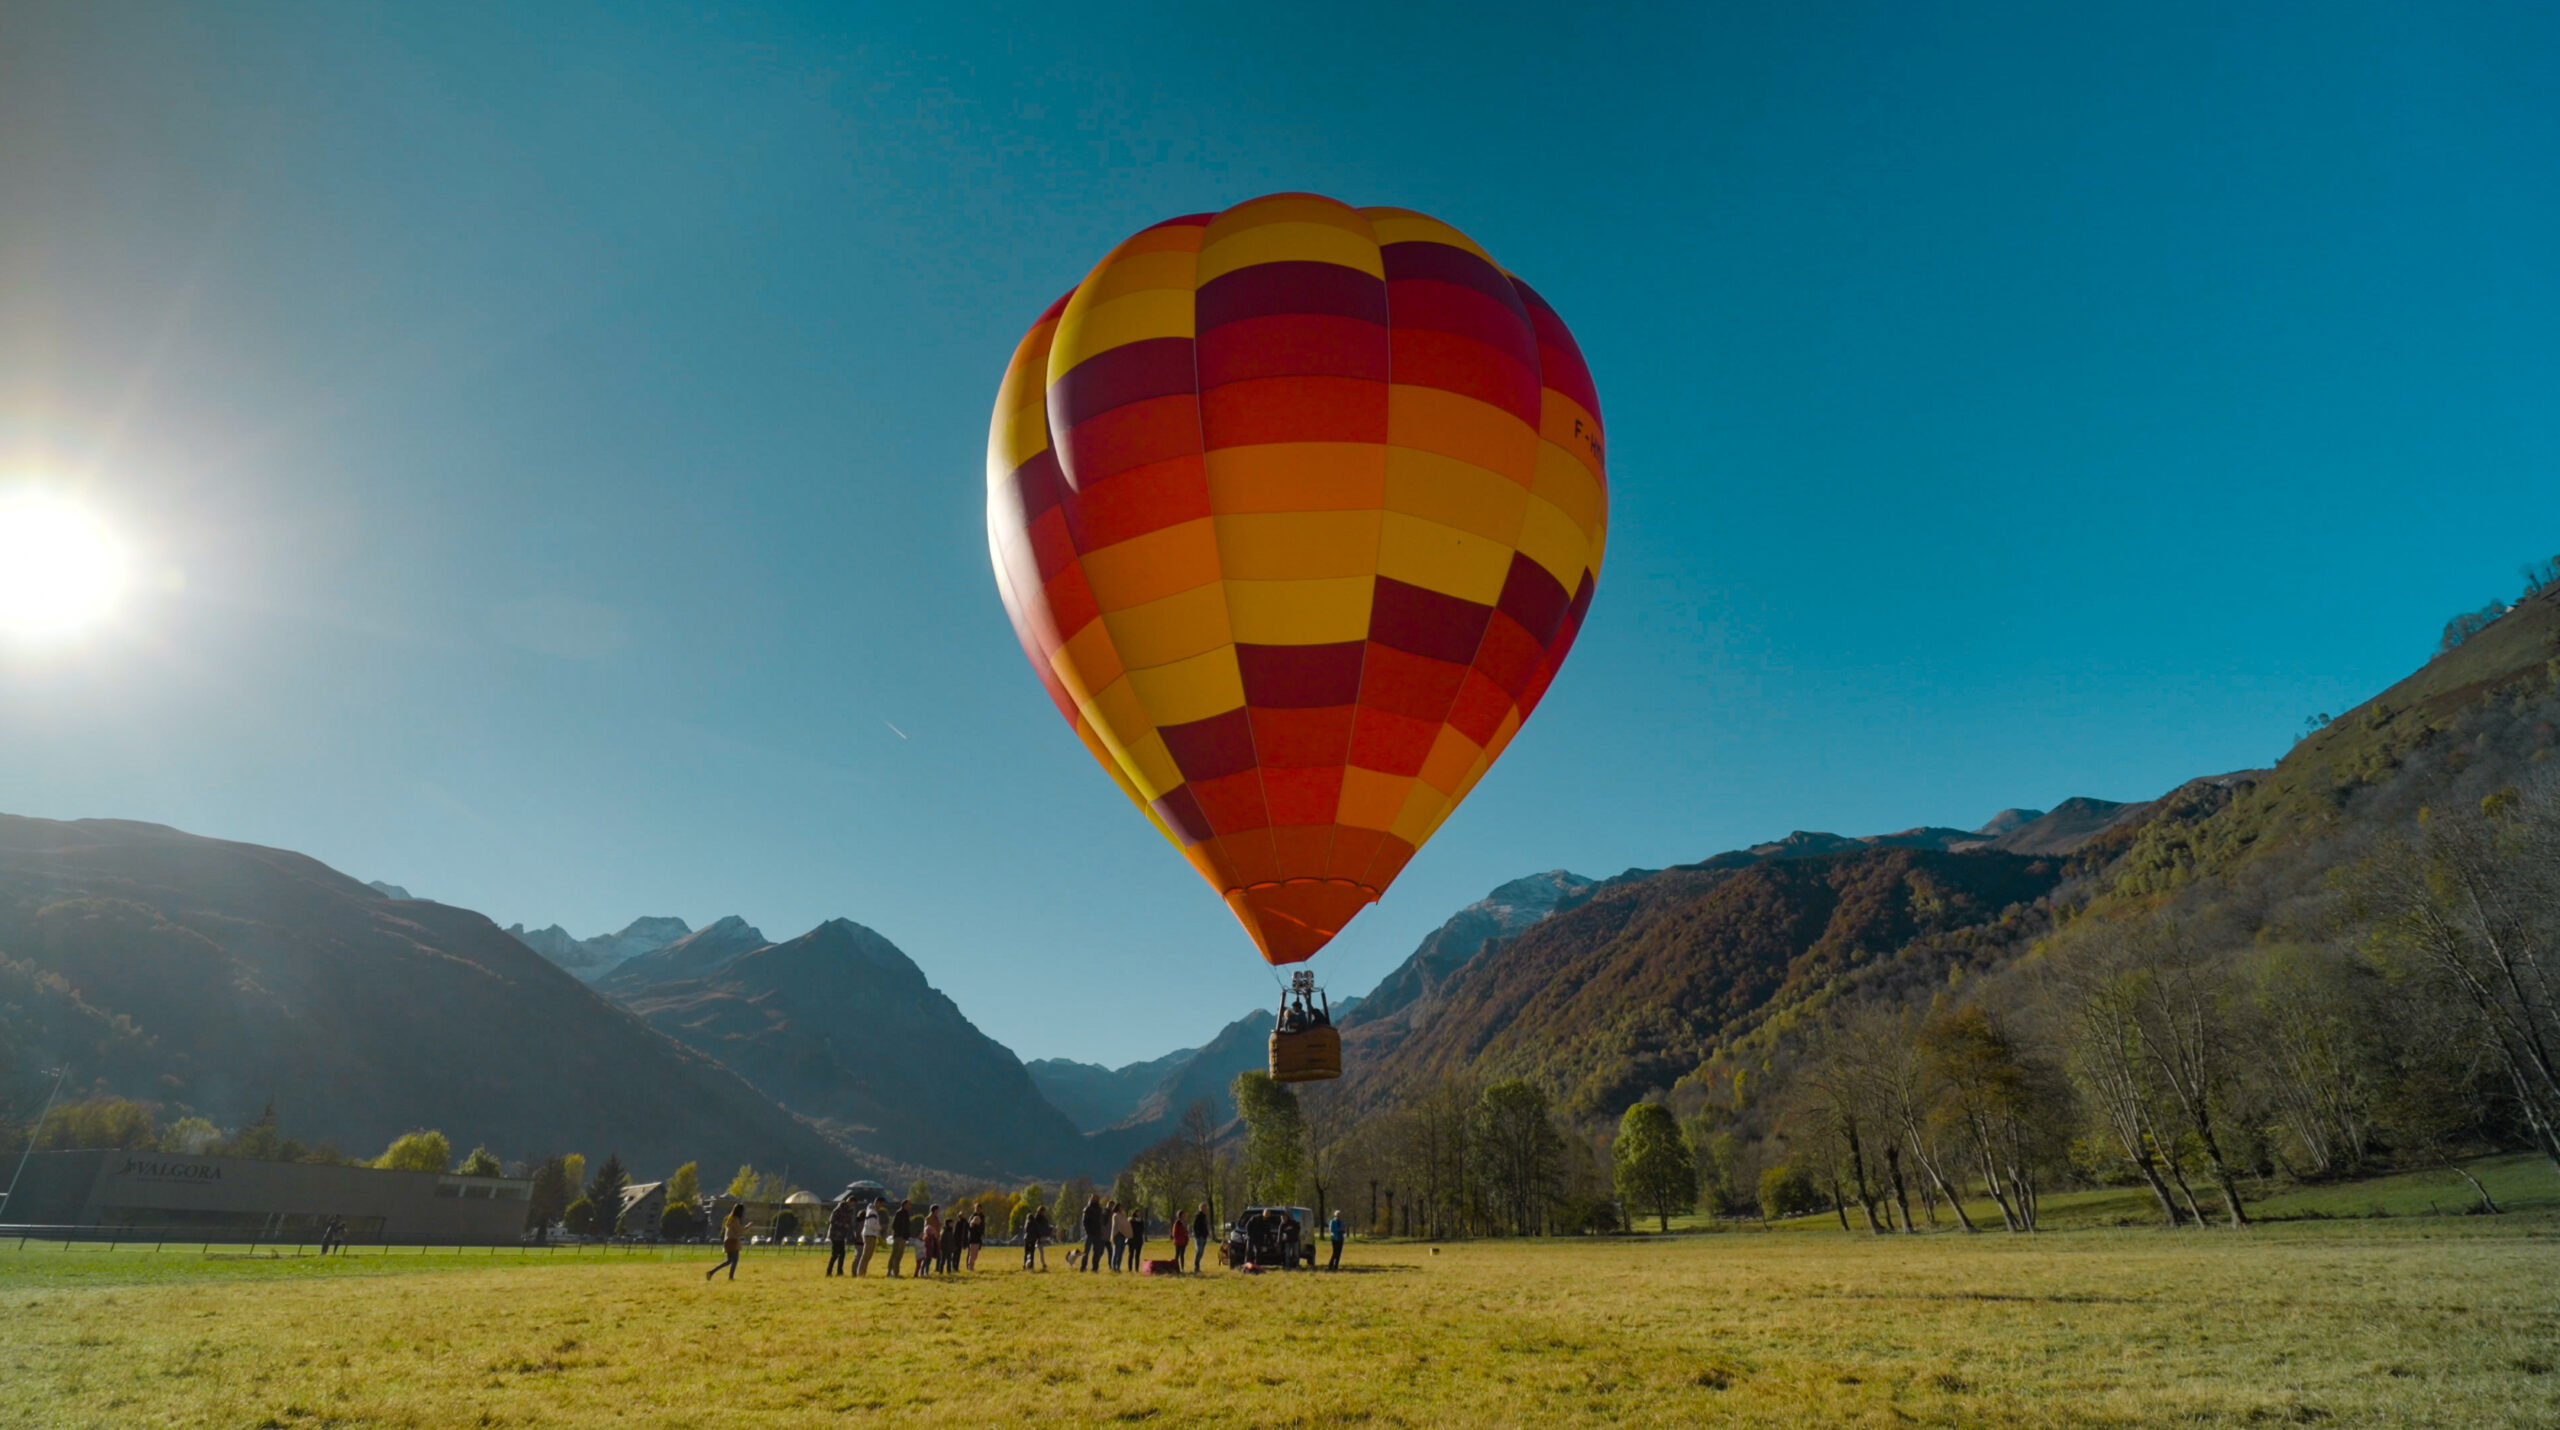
pixel 2472 910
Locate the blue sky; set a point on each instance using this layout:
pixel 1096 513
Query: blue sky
pixel 552 436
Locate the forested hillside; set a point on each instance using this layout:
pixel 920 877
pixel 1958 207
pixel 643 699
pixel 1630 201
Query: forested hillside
pixel 2345 963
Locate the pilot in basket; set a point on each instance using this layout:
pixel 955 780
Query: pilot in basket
pixel 1305 1047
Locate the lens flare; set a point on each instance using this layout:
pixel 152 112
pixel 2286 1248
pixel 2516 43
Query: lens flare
pixel 60 569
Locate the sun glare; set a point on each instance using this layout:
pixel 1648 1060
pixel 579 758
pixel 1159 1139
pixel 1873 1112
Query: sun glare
pixel 60 569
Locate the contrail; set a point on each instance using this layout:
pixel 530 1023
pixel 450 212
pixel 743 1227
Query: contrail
pixel 894 730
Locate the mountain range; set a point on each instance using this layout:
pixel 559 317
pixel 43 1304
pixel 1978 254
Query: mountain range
pixel 213 976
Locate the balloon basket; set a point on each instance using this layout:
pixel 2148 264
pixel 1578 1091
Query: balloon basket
pixel 1307 1055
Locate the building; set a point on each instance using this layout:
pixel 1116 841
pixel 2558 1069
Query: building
pixel 644 1208
pixel 237 1198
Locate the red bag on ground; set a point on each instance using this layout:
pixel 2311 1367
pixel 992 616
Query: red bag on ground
pixel 1152 1267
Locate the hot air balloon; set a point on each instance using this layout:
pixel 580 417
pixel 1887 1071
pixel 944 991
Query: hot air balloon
pixel 1296 509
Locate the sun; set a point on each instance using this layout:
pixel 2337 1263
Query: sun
pixel 60 568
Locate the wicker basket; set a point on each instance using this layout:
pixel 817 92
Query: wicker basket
pixel 1308 1055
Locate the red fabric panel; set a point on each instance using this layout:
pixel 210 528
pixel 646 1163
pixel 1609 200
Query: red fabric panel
pixel 1294 409
pixel 1303 796
pixel 1300 676
pixel 1138 501
pixel 1302 739
pixel 1156 430
pixel 1423 622
pixel 1415 686
pixel 1294 344
pixel 1207 749
pixel 1233 802
pixel 1390 743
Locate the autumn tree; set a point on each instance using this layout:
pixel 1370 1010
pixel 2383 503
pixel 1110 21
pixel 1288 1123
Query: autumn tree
pixel 1275 1139
pixel 1653 1171
pixel 421 1151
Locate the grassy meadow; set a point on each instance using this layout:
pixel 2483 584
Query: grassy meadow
pixel 2407 1321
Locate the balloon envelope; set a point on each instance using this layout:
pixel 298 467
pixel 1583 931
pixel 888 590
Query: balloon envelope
pixel 1297 509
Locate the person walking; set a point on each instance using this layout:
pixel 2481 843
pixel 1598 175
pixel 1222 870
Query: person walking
pixel 1034 1227
pixel 839 1233
pixel 1335 1230
pixel 733 1237
pixel 872 1229
pixel 1119 1234
pixel 1138 1237
pixel 902 1230
pixel 1181 1238
pixel 1097 1224
pixel 1199 1236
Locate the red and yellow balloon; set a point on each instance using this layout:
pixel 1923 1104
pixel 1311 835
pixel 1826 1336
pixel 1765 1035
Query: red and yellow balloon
pixel 1297 508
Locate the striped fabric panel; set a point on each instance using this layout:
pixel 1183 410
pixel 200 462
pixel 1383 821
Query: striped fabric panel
pixel 1297 509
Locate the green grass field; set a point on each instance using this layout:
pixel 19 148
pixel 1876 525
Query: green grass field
pixel 2408 1321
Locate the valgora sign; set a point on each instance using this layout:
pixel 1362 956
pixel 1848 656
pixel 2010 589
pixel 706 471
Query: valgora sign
pixel 170 1171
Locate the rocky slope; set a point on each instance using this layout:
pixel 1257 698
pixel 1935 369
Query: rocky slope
pixel 841 1026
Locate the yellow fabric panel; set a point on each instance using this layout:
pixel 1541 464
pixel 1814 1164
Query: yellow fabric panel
pixel 1025 435
pixel 1442 558
pixel 1290 243
pixel 1298 476
pixel 1187 690
pixel 1146 568
pixel 1155 313
pixel 1121 759
pixel 1285 208
pixel 1455 493
pixel 1452 755
pixel 1432 419
pixel 1562 421
pixel 1569 485
pixel 1393 225
pixel 1139 273
pixel 1151 766
pixel 1421 814
pixel 1171 628
pixel 1020 426
pixel 1370 800
pixel 1550 538
pixel 1118 713
pixel 1297 545
pixel 1087 664
pixel 1300 612
pixel 1111 766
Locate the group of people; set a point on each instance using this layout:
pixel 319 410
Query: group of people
pixel 1114 1235
pixel 944 1243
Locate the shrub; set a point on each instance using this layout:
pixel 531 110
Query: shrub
pixel 1786 1191
pixel 680 1222
pixel 580 1218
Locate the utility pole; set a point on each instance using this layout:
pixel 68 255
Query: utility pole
pixel 59 1075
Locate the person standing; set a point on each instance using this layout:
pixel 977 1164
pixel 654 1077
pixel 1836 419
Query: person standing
pixel 1181 1238
pixel 733 1237
pixel 929 1261
pixel 839 1233
pixel 872 1229
pixel 1119 1234
pixel 902 1230
pixel 1034 1227
pixel 1097 1225
pixel 1138 1237
pixel 977 1235
pixel 1199 1236
pixel 1335 1230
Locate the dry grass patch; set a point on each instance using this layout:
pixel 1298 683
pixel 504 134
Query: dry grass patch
pixel 2447 1322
